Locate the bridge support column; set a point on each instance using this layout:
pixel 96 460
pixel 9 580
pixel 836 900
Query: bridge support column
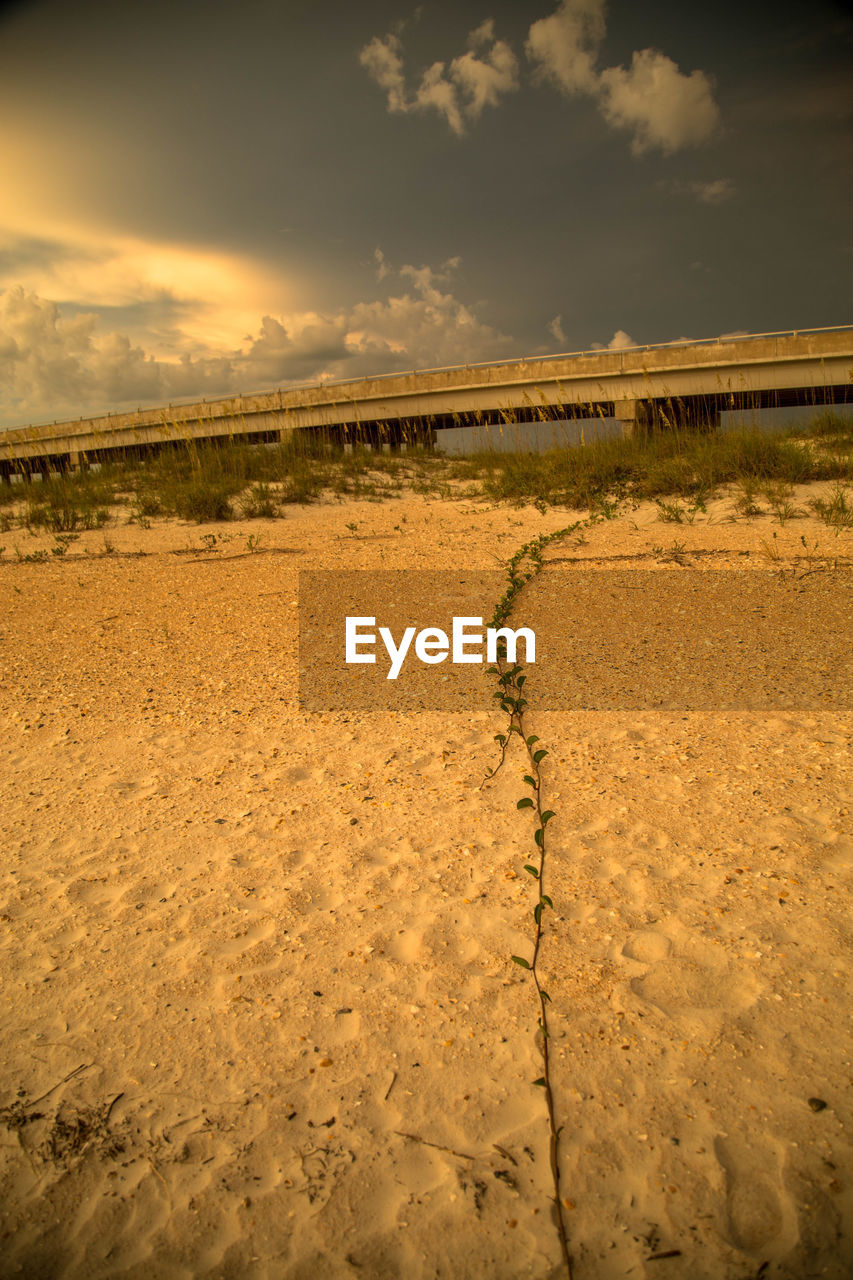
pixel 625 411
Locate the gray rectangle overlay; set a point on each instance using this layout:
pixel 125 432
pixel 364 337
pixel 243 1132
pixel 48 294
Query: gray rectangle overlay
pixel 606 639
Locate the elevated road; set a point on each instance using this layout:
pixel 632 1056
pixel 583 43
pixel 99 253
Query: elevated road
pixel 685 384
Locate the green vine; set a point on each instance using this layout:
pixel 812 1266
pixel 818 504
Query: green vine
pixel 524 565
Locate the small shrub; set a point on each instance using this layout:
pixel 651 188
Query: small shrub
pixel 62 542
pixel 95 519
pixel 779 497
pixel 745 503
pixel 203 502
pixel 670 512
pixel 301 486
pixel 832 425
pixel 259 502
pixel 146 504
pixel 837 512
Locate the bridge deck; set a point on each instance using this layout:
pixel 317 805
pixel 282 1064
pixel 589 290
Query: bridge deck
pixel 809 367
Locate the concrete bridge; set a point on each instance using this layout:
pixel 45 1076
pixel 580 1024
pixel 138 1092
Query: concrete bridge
pixel 684 384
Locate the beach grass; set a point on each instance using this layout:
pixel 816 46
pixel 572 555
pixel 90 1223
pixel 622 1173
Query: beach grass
pixel 665 465
pixel 217 481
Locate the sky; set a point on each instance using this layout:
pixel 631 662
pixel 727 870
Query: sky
pixel 199 199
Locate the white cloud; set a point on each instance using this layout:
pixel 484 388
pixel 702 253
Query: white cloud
pixel 482 80
pixel 565 45
pixel 383 62
pixel 430 327
pixel 474 80
pixel 661 106
pixel 425 278
pixel 555 327
pixel 482 35
pixel 620 341
pixel 653 99
pixel 437 92
pixel 716 192
pixel 54 365
pixel 713 191
pixel 50 361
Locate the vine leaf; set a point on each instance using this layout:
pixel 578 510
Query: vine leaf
pixel 525 803
pixel 520 960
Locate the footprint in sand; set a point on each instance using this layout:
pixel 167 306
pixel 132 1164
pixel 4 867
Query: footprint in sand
pixel 346 1027
pixel 839 855
pixel 467 950
pixel 605 869
pixel 758 1211
pixel 257 932
pixel 647 947
pixel 68 937
pixel 141 788
pixel 406 946
pixel 683 987
pixel 692 983
pixel 93 892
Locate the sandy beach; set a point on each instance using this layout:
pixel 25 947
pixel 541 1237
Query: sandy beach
pixel 259 1015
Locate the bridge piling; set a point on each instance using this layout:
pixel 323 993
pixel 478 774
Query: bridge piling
pixel 625 412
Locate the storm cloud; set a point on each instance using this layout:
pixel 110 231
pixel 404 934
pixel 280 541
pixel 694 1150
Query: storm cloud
pixel 54 365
